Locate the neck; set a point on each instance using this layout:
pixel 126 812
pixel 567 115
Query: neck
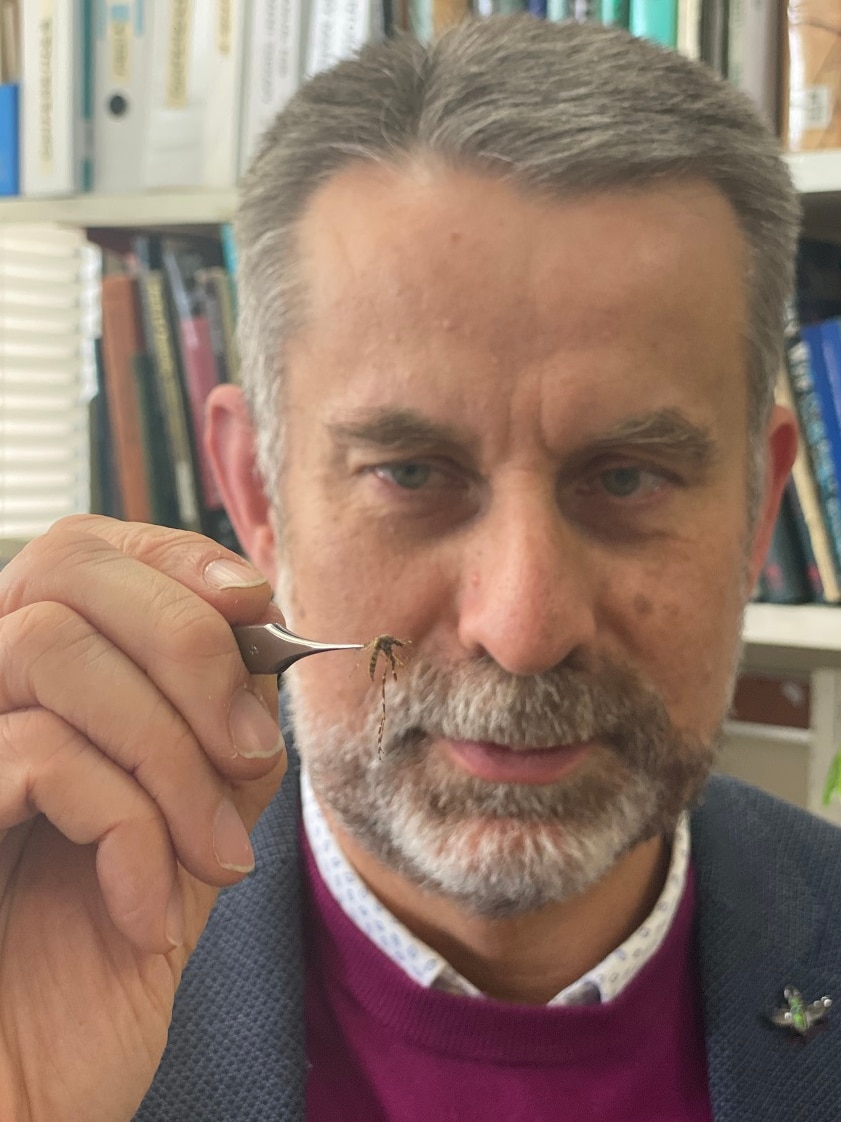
pixel 532 957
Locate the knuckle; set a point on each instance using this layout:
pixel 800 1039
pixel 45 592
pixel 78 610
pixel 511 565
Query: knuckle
pixel 191 634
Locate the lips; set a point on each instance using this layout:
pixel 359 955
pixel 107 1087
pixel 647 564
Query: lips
pixel 497 763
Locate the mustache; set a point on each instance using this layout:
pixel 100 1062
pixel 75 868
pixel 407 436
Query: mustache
pixel 478 700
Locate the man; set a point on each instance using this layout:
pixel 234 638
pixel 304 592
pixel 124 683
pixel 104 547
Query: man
pixel 511 318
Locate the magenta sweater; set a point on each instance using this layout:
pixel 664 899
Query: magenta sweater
pixel 383 1049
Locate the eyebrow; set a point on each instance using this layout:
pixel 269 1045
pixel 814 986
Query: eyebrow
pixel 400 429
pixel 667 432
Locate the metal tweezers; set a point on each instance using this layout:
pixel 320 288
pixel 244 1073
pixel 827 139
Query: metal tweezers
pixel 269 648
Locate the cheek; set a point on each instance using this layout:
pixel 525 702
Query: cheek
pixel 351 587
pixel 681 628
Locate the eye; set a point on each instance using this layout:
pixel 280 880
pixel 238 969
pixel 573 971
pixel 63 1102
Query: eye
pixel 622 481
pixel 409 476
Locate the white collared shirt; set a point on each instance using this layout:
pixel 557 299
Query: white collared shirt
pixel 426 967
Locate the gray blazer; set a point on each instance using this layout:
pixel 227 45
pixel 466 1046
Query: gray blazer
pixel 769 916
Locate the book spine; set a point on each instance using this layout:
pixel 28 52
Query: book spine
pixel 615 13
pixel 760 52
pixel 198 365
pixel 813 426
pixel 689 28
pixel 275 47
pixel 655 20
pixel 9 139
pixel 51 97
pixel 156 318
pixel 121 95
pixel 120 343
pixel 811 570
pixel 784 568
pixel 808 501
pixel 159 468
pixel 224 94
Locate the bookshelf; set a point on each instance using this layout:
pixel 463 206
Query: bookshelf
pixel 150 208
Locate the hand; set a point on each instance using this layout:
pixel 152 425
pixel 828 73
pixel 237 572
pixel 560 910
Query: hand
pixel 135 751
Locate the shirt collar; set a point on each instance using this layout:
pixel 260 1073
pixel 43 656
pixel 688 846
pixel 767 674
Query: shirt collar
pixel 429 969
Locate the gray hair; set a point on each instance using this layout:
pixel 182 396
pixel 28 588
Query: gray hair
pixel 560 108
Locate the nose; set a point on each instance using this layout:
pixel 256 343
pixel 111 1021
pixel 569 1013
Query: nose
pixel 527 592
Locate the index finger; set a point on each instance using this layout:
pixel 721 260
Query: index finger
pixel 166 599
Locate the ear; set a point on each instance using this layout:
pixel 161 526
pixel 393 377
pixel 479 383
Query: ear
pixel 781 445
pixel 231 445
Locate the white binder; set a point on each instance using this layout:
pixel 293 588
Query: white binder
pixel 273 64
pixel 177 88
pixel 222 113
pixel 120 47
pixel 55 97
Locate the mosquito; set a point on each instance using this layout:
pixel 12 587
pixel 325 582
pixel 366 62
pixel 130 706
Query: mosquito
pixel 384 645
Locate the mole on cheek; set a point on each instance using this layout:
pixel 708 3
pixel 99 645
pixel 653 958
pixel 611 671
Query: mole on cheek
pixel 643 605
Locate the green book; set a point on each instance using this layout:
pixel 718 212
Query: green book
pixel 655 20
pixel 615 13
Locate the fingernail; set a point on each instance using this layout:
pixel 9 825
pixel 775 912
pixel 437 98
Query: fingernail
pixel 227 573
pixel 175 918
pixel 230 840
pixel 253 729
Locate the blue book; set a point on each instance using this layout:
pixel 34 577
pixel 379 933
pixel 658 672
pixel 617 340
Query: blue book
pixel 537 8
pixel 9 140
pixel 816 409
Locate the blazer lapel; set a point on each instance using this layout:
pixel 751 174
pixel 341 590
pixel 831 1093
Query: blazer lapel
pixel 236 1045
pixel 762 926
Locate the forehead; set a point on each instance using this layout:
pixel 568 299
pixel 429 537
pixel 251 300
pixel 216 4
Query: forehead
pixel 376 227
pixel 442 274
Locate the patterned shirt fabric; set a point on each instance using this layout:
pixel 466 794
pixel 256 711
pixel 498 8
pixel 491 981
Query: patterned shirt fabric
pixel 426 967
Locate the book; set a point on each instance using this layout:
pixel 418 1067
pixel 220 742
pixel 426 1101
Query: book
pixel 428 18
pixel 121 343
pixel 120 102
pixel 176 93
pixel 614 13
pixel 811 569
pixel 56 101
pixel 757 65
pixel 713 34
pixel 811 107
pixel 9 138
pixel 226 53
pixel 159 471
pixel 275 38
pixel 689 28
pixel 338 28
pixel 160 345
pixel 809 507
pixel 813 426
pixel 784 571
pixel 182 260
pixel 217 291
pixel 655 20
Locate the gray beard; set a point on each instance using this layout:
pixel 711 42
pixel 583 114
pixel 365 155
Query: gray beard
pixel 503 849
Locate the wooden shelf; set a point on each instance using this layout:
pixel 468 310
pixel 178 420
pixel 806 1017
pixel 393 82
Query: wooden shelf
pixel 813 172
pixel 816 173
pixel 152 208
pixel 813 627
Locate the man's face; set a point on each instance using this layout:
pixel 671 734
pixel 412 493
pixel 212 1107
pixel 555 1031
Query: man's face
pixel 517 440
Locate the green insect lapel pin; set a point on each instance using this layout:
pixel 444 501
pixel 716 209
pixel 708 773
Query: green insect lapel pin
pixel 798 1015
